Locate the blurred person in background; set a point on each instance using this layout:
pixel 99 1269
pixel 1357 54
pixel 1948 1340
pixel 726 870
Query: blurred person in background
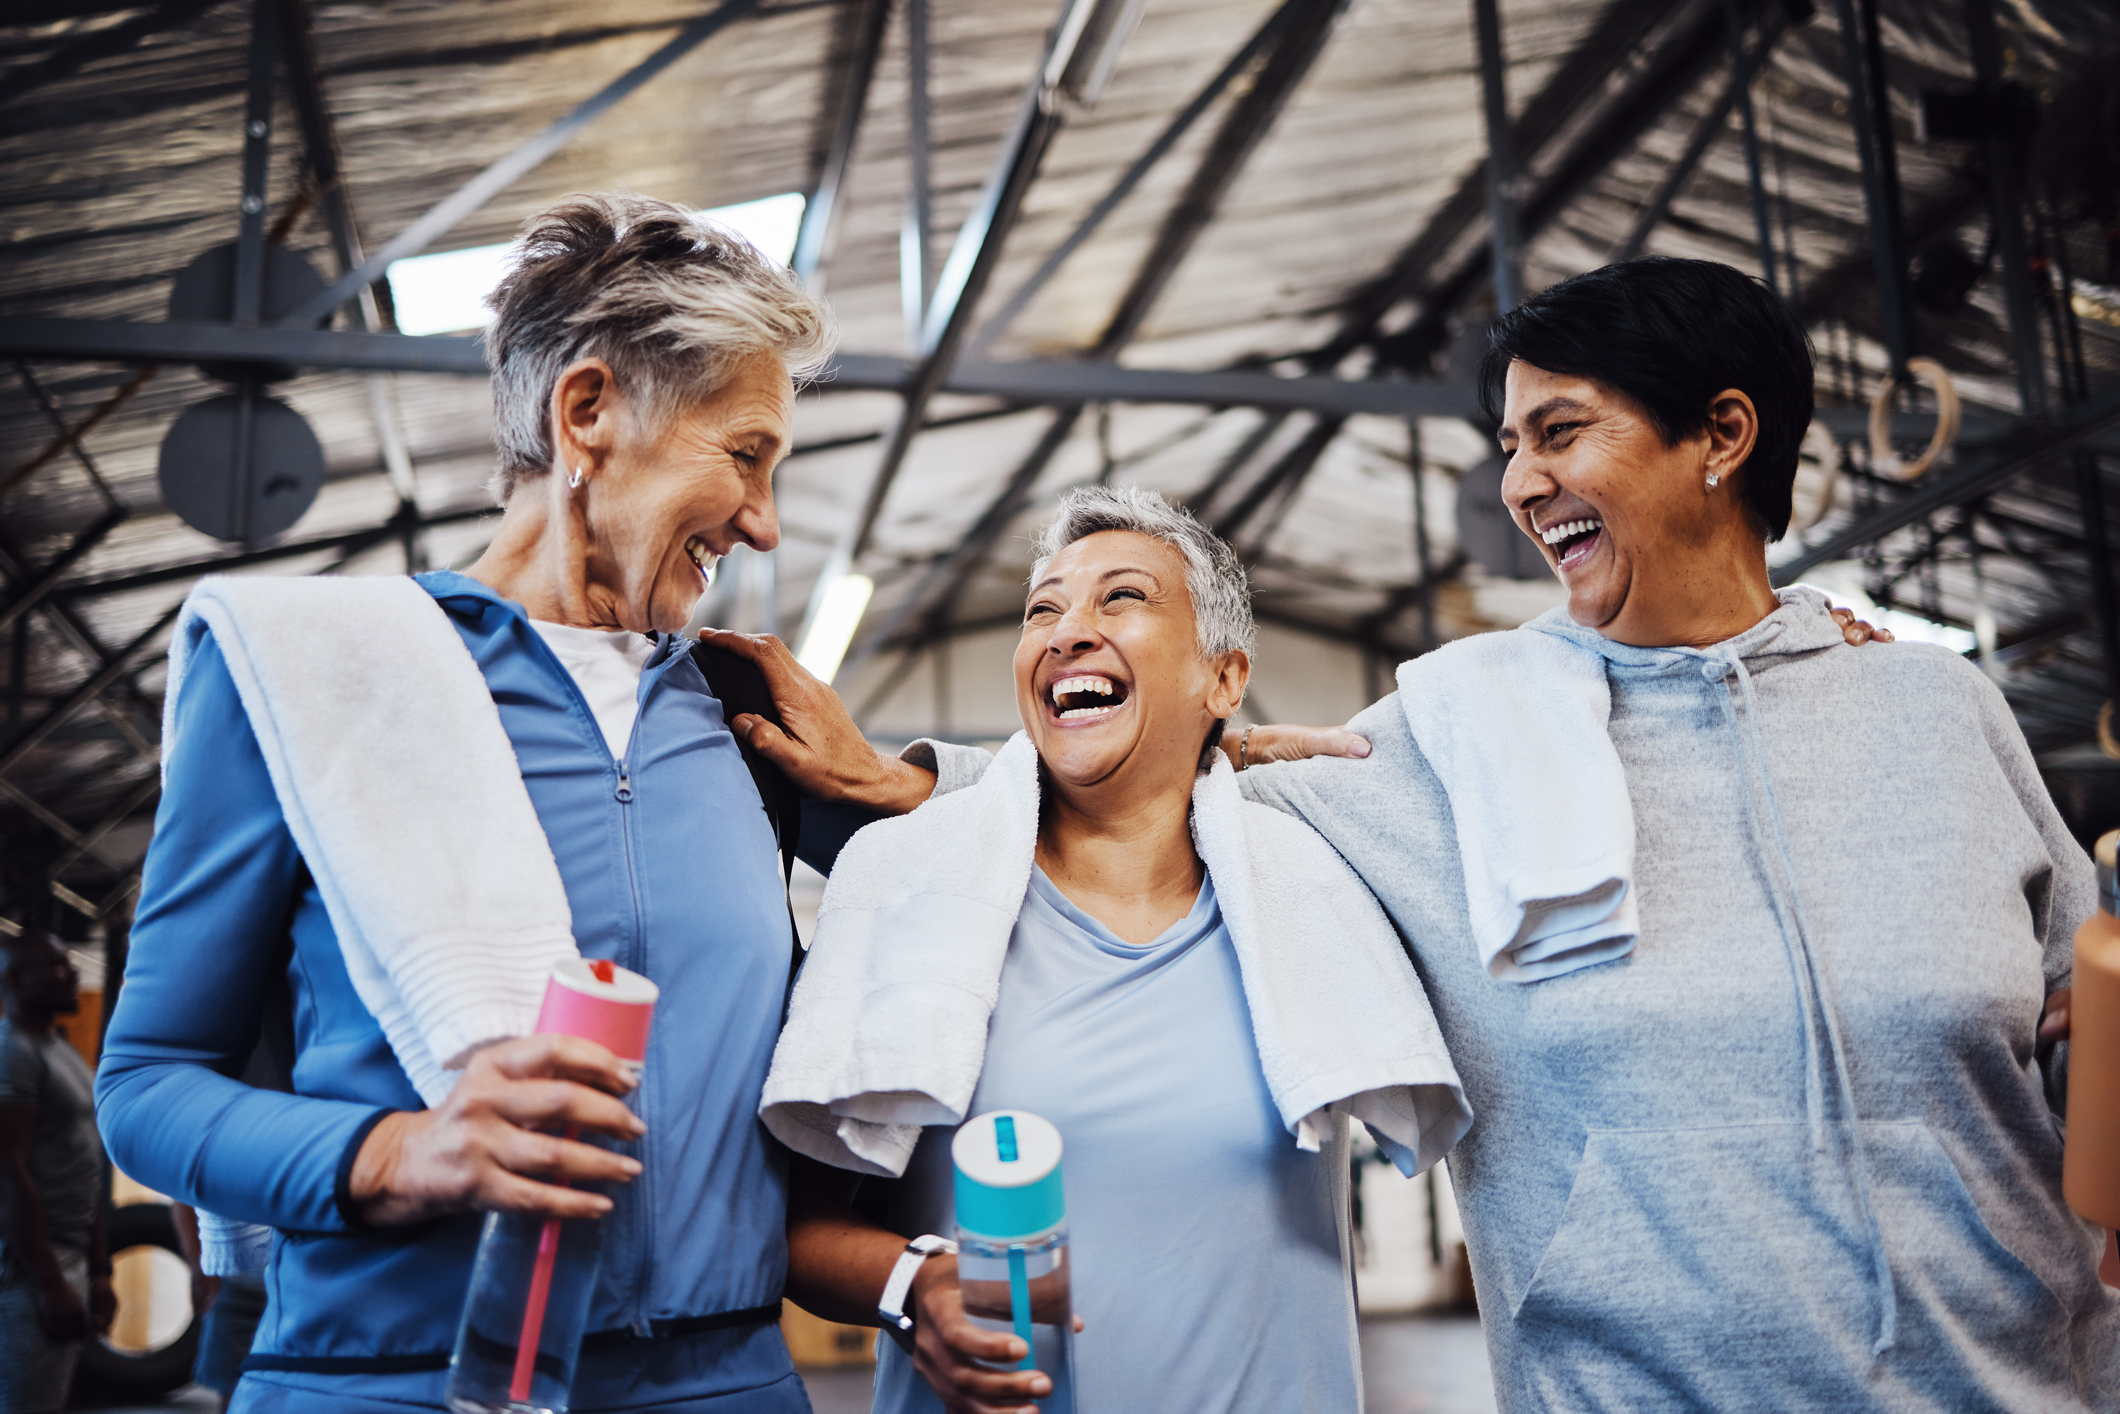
pixel 55 1290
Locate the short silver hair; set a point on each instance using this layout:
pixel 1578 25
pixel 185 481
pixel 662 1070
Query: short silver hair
pixel 670 300
pixel 1221 592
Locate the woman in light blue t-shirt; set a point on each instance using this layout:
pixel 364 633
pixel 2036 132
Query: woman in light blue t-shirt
pixel 1206 1187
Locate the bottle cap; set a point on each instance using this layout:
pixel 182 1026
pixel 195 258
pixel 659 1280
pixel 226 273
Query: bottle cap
pixel 1008 1176
pixel 602 1002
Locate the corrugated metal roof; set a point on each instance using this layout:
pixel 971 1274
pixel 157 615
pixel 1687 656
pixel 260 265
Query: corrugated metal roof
pixel 115 177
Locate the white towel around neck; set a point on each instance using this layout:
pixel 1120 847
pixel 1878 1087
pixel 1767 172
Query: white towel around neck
pixel 887 1028
pixel 403 793
pixel 1515 725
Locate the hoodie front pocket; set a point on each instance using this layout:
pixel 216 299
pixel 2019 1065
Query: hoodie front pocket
pixel 1730 1268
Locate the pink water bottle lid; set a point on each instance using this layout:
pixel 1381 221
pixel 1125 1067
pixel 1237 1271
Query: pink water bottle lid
pixel 602 1002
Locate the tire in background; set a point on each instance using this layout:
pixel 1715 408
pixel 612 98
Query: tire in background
pixel 109 1374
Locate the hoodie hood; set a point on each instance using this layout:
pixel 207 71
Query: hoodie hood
pixel 1803 624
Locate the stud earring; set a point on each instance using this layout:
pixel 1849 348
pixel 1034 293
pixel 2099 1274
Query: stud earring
pixel 1714 479
pixel 574 482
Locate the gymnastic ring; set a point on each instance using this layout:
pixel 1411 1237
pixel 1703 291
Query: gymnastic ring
pixel 2106 743
pixel 1883 460
pixel 1819 443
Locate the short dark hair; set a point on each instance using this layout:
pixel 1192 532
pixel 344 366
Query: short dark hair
pixel 1671 334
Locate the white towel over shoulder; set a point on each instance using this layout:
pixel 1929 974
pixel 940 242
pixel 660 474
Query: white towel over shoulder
pixel 1515 725
pixel 403 793
pixel 887 1028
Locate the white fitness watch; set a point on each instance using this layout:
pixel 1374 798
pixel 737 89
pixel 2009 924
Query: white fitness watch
pixel 890 1307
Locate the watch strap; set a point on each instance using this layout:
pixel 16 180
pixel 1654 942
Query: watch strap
pixel 890 1307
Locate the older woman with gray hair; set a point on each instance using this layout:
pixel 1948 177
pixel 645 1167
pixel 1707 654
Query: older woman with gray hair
pixel 644 363
pixel 1195 990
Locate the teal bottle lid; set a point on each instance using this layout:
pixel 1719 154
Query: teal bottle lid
pixel 1008 1176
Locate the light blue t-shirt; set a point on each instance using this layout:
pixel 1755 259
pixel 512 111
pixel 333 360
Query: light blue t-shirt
pixel 1206 1251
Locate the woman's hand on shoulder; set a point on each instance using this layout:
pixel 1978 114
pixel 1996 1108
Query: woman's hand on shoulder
pixel 948 1349
pixel 1857 632
pixel 821 749
pixel 492 1143
pixel 1257 745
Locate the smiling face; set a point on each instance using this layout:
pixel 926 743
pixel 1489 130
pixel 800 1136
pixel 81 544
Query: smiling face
pixel 662 504
pixel 1110 681
pixel 1650 553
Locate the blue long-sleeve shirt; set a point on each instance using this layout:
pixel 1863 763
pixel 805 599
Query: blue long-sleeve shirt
pixel 679 882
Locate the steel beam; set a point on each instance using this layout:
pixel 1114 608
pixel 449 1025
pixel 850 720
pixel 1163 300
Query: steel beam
pixel 49 577
pixel 1283 478
pixel 2021 450
pixel 321 151
pixel 1054 380
pixel 1681 171
pixel 119 662
pixel 1155 152
pixel 1249 120
pixel 1502 240
pixel 1299 42
pixel 1620 31
pixel 99 44
pixel 957 291
pixel 1754 177
pixel 820 214
pixel 1672 69
pixel 1026 381
pixel 916 236
pixel 1872 118
pixel 349 543
pixel 192 342
pixel 2005 173
pixel 442 217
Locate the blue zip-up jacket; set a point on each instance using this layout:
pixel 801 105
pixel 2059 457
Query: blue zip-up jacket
pixel 670 868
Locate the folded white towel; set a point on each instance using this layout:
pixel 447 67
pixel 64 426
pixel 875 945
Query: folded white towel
pixel 887 1028
pixel 403 794
pixel 1515 726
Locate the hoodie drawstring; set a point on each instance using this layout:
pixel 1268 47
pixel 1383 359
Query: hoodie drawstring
pixel 1814 988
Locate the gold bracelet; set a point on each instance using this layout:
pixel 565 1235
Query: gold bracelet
pixel 1244 748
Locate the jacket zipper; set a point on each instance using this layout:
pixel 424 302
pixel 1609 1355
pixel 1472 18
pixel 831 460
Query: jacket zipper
pixel 622 793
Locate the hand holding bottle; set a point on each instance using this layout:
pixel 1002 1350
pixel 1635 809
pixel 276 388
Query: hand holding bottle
pixel 487 1145
pixel 959 1359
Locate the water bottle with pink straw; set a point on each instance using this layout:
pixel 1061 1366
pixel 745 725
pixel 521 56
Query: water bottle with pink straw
pixel 533 1277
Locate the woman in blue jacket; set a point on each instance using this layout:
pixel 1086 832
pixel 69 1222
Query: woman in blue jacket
pixel 642 394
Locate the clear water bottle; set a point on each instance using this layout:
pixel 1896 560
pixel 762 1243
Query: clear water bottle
pixel 525 1314
pixel 533 1278
pixel 1012 1241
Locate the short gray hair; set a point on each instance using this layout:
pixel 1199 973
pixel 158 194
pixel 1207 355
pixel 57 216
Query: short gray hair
pixel 1221 592
pixel 670 300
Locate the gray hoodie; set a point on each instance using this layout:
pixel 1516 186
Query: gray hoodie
pixel 1665 1199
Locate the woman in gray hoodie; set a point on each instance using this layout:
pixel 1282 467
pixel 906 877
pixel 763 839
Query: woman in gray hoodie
pixel 1767 1130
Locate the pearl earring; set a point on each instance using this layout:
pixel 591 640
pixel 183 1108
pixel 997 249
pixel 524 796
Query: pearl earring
pixel 574 482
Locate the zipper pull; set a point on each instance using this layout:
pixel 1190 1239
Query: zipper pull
pixel 625 785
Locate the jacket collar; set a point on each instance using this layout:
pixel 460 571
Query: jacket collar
pixel 455 590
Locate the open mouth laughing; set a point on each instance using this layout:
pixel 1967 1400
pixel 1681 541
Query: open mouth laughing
pixel 1572 541
pixel 1084 697
pixel 704 558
